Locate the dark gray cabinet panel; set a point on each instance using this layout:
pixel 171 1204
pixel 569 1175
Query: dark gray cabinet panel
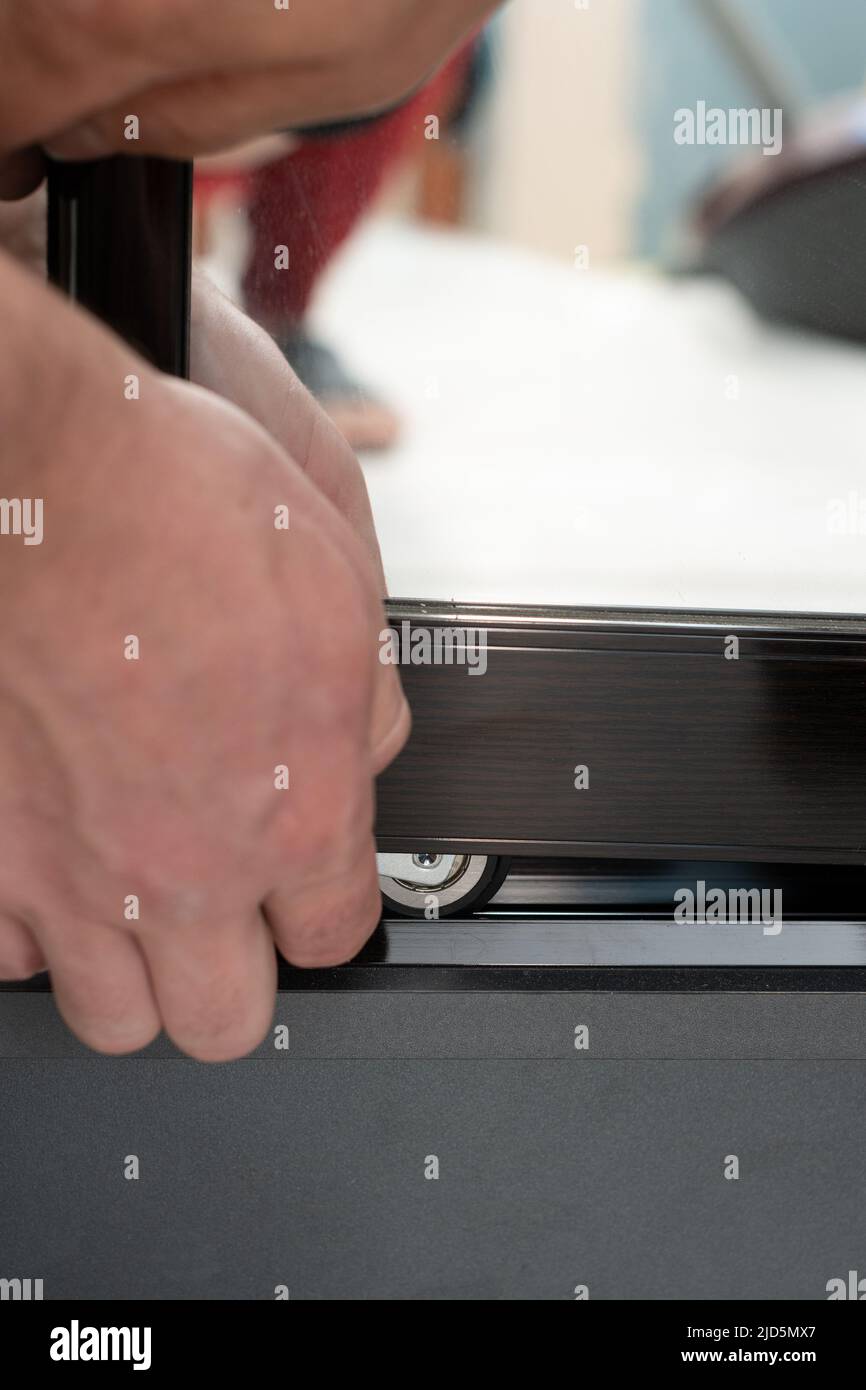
pixel 558 1167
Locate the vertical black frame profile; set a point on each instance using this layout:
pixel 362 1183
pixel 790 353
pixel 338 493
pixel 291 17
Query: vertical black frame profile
pixel 120 244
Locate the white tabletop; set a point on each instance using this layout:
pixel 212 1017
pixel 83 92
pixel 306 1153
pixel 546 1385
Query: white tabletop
pixel 574 437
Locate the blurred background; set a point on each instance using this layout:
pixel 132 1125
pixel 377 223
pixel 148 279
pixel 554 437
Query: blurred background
pixel 585 359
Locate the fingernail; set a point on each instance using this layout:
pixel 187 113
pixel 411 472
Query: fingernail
pixel 85 141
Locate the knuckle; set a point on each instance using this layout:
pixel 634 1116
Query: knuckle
pixel 329 931
pixel 19 961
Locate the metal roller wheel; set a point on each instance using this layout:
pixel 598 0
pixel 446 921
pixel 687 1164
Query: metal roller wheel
pixel 438 885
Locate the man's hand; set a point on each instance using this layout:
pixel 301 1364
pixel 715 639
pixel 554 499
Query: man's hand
pixel 202 75
pixel 191 705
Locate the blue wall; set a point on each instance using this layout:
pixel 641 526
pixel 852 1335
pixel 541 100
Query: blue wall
pixel 683 63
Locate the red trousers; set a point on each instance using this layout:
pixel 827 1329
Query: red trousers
pixel 311 199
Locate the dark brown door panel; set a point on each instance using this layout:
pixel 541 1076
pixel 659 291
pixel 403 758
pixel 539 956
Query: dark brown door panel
pixel 687 752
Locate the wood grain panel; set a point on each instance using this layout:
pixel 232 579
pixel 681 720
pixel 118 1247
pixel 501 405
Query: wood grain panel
pixel 689 754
